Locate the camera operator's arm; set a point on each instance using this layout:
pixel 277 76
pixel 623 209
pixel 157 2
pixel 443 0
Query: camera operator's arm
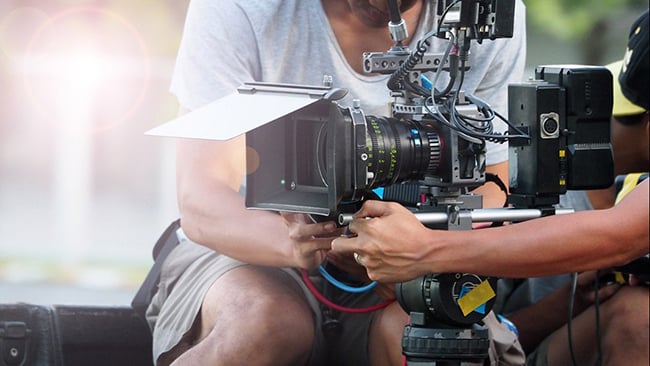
pixel 394 246
pixel 209 174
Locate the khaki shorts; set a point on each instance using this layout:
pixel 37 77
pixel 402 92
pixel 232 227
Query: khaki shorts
pixel 190 270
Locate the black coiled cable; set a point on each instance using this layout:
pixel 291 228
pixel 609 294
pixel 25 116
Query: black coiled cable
pixel 395 82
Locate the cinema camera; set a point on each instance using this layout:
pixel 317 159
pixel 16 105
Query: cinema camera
pixel 335 156
pixel 312 155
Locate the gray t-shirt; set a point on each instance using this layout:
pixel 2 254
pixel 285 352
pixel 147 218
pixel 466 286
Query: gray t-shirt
pixel 228 42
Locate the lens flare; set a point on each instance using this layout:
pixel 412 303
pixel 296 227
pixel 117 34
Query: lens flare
pixel 16 29
pixel 87 58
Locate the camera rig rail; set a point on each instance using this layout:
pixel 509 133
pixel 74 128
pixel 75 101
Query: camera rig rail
pixel 464 218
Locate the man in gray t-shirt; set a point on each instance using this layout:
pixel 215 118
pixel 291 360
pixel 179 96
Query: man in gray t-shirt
pixel 237 297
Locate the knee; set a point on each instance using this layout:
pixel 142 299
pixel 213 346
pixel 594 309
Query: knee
pixel 283 317
pixel 626 314
pixel 386 336
pixel 263 309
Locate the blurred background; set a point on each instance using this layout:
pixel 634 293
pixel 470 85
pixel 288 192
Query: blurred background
pixel 84 194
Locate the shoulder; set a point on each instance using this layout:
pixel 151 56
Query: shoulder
pixel 238 20
pixel 230 11
pixel 264 11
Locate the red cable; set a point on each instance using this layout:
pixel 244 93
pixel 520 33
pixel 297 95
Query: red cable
pixel 337 307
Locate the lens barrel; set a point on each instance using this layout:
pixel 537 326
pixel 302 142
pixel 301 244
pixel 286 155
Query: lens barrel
pixel 401 150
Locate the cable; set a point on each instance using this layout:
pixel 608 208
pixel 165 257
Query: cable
pixel 438 116
pixel 458 122
pixel 596 288
pixel 520 134
pixel 452 78
pixel 574 286
pixel 343 286
pixel 393 11
pixel 599 359
pixel 494 178
pixel 444 13
pixel 334 306
pixel 396 79
pixel 470 128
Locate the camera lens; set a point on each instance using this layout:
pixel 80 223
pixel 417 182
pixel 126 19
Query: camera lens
pixel 401 150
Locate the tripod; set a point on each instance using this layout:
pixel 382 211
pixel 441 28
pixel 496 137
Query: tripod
pixel 441 331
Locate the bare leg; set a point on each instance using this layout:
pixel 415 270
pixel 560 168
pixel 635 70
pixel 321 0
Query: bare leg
pixel 623 328
pixel 626 339
pixel 252 316
pixel 385 343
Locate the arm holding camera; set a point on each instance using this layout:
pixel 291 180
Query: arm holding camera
pixel 394 246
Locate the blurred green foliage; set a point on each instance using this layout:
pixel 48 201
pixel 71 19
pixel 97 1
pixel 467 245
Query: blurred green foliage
pixel 573 19
pixel 596 30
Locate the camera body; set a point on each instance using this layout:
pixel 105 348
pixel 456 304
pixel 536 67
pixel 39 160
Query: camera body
pixel 566 111
pixel 324 158
pixel 484 18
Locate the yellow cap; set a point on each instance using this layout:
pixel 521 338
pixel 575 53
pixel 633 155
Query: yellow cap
pixel 622 106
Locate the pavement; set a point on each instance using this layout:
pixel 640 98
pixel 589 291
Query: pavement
pixel 105 266
pixel 64 294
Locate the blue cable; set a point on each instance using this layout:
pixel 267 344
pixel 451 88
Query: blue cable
pixel 342 285
pixel 426 83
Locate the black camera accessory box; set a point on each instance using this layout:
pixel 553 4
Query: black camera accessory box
pixel 56 335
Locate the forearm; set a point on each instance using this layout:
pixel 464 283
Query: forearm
pixel 208 177
pixel 222 223
pixel 551 245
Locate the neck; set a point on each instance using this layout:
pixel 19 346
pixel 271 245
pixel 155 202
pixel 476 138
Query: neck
pixel 355 38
